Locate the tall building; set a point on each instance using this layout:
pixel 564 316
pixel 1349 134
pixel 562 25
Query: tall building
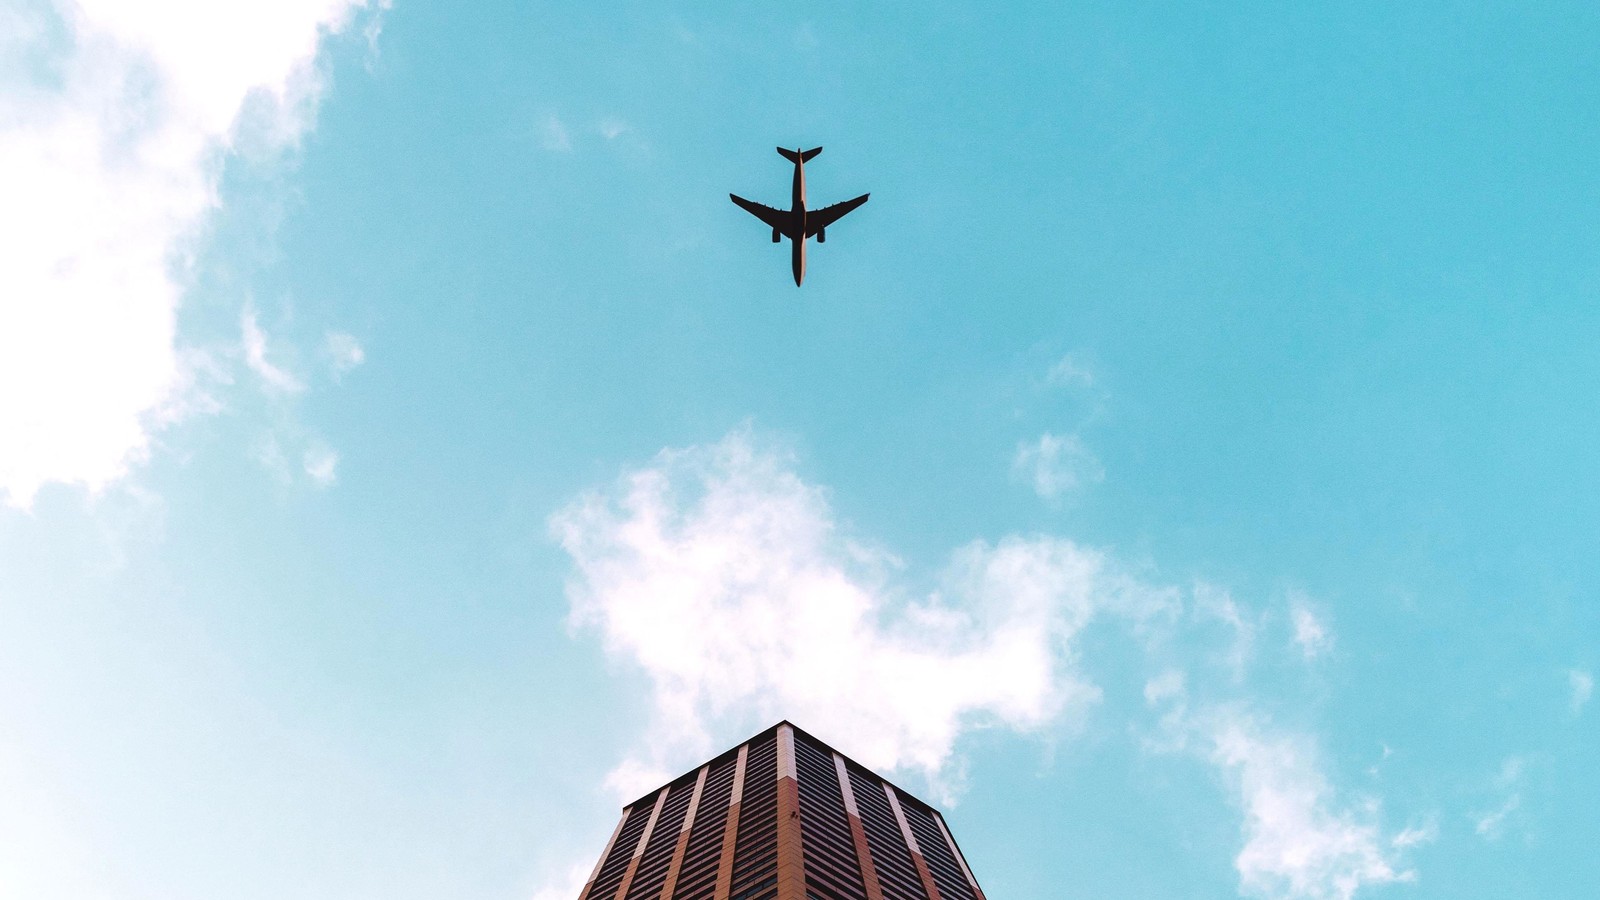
pixel 782 816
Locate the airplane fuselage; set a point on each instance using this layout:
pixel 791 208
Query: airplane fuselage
pixel 797 257
pixel 798 223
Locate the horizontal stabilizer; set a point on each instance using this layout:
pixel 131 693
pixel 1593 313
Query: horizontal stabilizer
pixel 799 156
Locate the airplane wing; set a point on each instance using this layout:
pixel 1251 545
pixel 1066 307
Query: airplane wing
pixel 822 218
pixel 776 218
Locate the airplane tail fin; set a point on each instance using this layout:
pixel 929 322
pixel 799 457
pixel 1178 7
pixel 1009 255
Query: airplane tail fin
pixel 804 156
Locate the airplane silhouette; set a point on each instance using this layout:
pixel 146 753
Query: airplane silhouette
pixel 798 223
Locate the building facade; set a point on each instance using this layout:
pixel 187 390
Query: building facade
pixel 782 816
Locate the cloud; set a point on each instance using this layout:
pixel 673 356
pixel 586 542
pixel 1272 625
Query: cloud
pixel 1311 635
pixel 1069 371
pixel 269 453
pixel 1167 686
pixel 1299 843
pixel 723 576
pixel 556 135
pixel 1055 465
pixel 1301 840
pixel 286 438
pixel 584 133
pixel 1581 685
pixel 276 451
pixel 321 462
pixel 726 580
pixel 1416 836
pixel 117 118
pixel 374 30
pixel 344 352
pixel 1213 604
pixel 254 343
pixel 1491 825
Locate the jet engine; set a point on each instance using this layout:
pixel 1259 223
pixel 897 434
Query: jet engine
pixel 777 238
pixel 822 235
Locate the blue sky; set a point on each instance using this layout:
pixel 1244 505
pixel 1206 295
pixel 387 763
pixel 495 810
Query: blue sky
pixel 1182 471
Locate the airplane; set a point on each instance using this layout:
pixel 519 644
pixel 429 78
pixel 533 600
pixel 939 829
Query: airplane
pixel 798 223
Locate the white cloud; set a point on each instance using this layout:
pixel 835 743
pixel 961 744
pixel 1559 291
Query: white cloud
pixel 1491 825
pixel 287 439
pixel 1068 371
pixel 725 579
pixel 111 146
pixel 1166 687
pixel 269 453
pixel 1302 840
pixel 1311 634
pixel 1581 684
pixel 723 576
pixel 1300 844
pixel 254 342
pixel 556 135
pixel 1055 465
pixel 321 463
pixel 374 30
pixel 1215 604
pixel 1169 692
pixel 344 352
pixel 579 133
pixel 1416 836
pixel 277 451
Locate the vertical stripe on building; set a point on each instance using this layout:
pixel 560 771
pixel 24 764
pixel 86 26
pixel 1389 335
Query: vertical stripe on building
pixel 638 851
pixel 858 834
pixel 730 834
pixel 911 842
pixel 589 885
pixel 683 836
pixel 782 816
pixel 956 852
pixel 791 853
